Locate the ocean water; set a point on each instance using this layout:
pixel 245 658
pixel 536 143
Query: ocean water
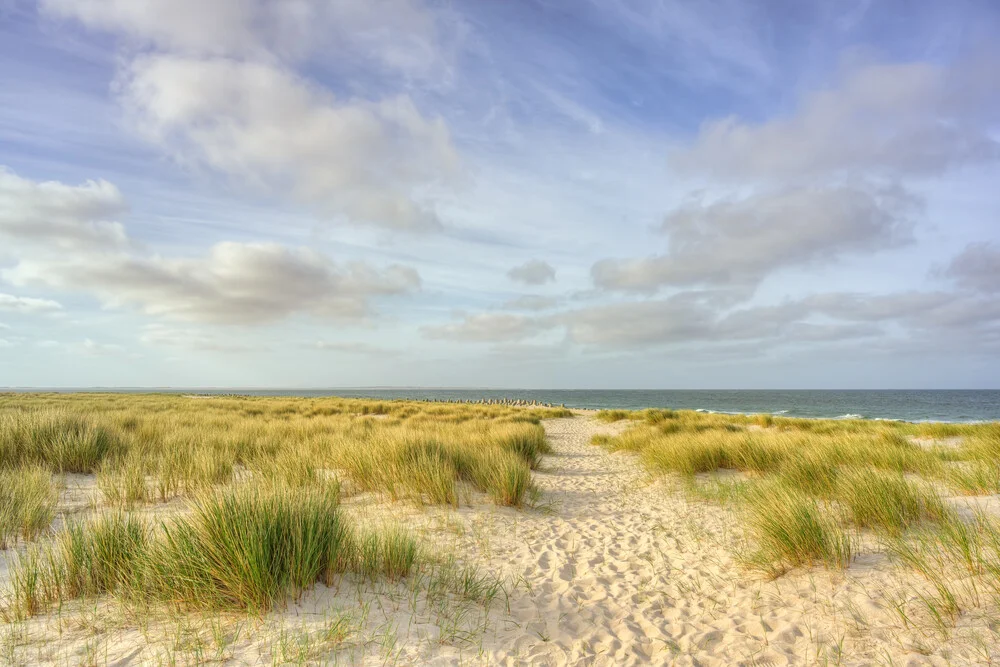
pixel 922 405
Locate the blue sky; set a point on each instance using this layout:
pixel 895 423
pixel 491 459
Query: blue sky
pixel 512 194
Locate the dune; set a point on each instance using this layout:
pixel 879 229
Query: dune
pixel 610 565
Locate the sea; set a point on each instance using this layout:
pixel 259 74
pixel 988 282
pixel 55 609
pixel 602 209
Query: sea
pixel 931 405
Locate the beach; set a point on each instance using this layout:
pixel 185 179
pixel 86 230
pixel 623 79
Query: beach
pixel 608 564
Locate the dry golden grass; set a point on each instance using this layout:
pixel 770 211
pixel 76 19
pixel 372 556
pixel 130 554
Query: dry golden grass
pixel 812 490
pixel 260 481
pixel 147 447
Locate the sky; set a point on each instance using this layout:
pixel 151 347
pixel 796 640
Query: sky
pixel 517 194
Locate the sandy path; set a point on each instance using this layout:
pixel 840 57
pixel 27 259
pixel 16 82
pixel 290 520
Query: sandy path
pixel 613 570
pixel 619 573
pixel 622 571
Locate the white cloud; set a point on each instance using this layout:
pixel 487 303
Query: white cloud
pixel 275 131
pixel 679 319
pixel 59 215
pixel 638 323
pixel 212 85
pixel 533 272
pixel 162 335
pixel 355 348
pixel 220 26
pixel 87 347
pixel 739 242
pixel 977 267
pixel 94 348
pixel 401 35
pixel 530 302
pixel 701 320
pixel 24 304
pixel 806 332
pixel 831 179
pixel 914 309
pixel 895 119
pixel 234 283
pixel 488 327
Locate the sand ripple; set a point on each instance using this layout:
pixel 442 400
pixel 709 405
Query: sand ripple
pixel 623 572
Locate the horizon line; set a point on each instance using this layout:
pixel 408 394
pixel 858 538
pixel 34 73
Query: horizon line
pixel 113 388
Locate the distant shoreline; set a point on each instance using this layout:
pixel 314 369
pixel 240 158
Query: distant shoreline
pixel 923 405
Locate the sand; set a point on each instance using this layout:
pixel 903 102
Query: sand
pixel 611 568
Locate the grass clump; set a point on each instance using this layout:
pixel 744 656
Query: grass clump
pixel 974 478
pixel 504 476
pixel 59 441
pixel 123 482
pixel 247 547
pixel 243 548
pixel 289 467
pixel 426 470
pixel 105 555
pixel 810 473
pixel 802 485
pixel 658 415
pixel 27 504
pixel 755 454
pixel 186 446
pixel 526 441
pixel 390 552
pixel 431 465
pixel 886 501
pixel 682 453
pixel 792 529
pixel 613 415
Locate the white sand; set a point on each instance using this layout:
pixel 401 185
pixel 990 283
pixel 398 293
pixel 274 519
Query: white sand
pixel 613 570
pixel 627 572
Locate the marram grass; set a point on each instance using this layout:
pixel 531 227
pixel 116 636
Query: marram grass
pixel 808 489
pixel 27 503
pixel 244 548
pixel 886 501
pixel 429 465
pixel 260 479
pixel 122 482
pixel 250 546
pixel 792 529
pixel 156 447
pixel 60 441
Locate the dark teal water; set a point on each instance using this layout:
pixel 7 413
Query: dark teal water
pixel 924 405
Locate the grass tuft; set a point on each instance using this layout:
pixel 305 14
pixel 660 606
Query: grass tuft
pixel 27 504
pixel 59 441
pixel 249 546
pixel 123 482
pixel 792 529
pixel 885 501
pixel 613 415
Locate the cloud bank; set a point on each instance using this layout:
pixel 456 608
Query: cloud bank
pixel 533 272
pixel 234 283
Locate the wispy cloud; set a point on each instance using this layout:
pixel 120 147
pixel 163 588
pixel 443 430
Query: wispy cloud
pixel 270 129
pixel 355 348
pixel 883 119
pixel 717 184
pixel 25 304
pixel 234 283
pixel 68 216
pixel 977 267
pixel 533 272
pixel 740 242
